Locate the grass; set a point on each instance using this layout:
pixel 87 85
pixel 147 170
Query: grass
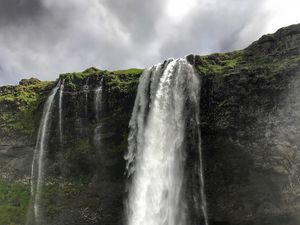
pixel 131 71
pixel 56 193
pixel 237 62
pixel 14 201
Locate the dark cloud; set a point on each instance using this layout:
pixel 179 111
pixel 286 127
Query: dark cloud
pixel 47 37
pixel 13 12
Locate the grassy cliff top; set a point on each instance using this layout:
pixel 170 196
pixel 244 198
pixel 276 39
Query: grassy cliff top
pixel 272 52
pixel 18 105
pixel 94 71
pixel 25 94
pixel 21 105
pixel 118 79
pixel 30 92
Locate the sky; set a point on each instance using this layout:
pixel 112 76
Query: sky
pixel 44 38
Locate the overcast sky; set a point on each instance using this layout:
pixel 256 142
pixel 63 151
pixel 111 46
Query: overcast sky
pixel 44 38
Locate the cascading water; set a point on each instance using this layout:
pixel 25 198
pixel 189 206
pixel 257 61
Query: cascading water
pixel 86 91
pixel 61 93
pixel 97 106
pixel 37 172
pixel 98 99
pixel 156 158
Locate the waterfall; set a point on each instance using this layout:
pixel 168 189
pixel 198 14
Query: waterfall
pixel 196 99
pixel 61 92
pixel 86 91
pixel 37 172
pixel 97 106
pixel 156 157
pixel 98 99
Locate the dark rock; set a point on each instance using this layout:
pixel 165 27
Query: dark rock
pixel 29 81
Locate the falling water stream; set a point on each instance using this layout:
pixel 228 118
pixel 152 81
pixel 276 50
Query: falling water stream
pixel 157 152
pixel 86 91
pixel 61 93
pixel 37 173
pixel 97 106
pixel 98 99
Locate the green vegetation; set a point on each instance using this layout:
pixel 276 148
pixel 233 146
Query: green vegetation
pixel 120 80
pixel 244 61
pixel 14 200
pixel 20 104
pixel 79 76
pixel 57 194
pixel 128 72
pixel 218 63
pixel 25 96
pixel 81 148
pixel 94 72
pixel 123 80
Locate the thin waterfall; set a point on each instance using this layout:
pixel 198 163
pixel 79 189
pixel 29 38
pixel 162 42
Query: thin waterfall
pixel 97 106
pixel 86 91
pixel 195 97
pixel 156 158
pixel 61 93
pixel 37 171
pixel 98 99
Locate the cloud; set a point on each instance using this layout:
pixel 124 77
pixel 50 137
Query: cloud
pixel 43 38
pixel 16 12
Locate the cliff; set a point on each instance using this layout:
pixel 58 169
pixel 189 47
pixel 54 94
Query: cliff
pixel 250 131
pixel 250 107
pixel 84 178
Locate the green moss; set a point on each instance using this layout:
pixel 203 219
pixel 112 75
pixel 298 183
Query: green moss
pixel 79 76
pixel 20 104
pixel 25 95
pixel 83 146
pixel 23 103
pixel 122 81
pixel 14 200
pixel 29 81
pixel 128 72
pixel 218 63
pixel 118 80
pixel 57 195
pixel 227 64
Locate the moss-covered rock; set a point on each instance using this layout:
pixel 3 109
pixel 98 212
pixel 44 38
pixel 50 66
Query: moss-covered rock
pixel 20 108
pixel 14 201
pixel 30 81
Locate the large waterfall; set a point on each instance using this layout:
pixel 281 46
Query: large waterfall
pixel 166 102
pixel 37 173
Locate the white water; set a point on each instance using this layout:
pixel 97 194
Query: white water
pixel 97 106
pixel 195 97
pixel 86 91
pixel 61 93
pixel 98 99
pixel 156 154
pixel 37 172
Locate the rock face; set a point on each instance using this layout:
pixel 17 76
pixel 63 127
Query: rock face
pixel 84 175
pixel 250 131
pixel 250 124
